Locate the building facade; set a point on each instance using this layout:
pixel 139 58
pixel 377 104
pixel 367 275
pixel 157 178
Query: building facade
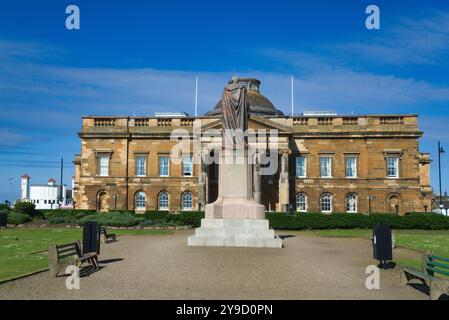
pixel 46 196
pixel 326 163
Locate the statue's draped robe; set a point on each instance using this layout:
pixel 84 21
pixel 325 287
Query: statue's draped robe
pixel 235 111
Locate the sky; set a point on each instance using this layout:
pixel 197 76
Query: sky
pixel 139 57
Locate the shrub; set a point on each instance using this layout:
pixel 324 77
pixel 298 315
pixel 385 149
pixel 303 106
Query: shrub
pixel 66 213
pixel 188 218
pixel 25 208
pixel 18 218
pixel 156 216
pixel 4 206
pixel 113 219
pixel 57 220
pixel 317 221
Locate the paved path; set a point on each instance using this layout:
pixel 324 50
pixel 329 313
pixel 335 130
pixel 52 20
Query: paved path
pixel 163 267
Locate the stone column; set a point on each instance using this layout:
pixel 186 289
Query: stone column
pixel 284 188
pixel 202 181
pixel 257 179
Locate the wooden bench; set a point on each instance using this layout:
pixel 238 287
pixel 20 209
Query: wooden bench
pixel 60 256
pixel 107 235
pixel 431 266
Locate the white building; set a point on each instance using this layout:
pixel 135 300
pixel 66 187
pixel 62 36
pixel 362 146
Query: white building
pixel 46 196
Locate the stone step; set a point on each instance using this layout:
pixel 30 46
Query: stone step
pixel 235 232
pixel 235 223
pixel 214 241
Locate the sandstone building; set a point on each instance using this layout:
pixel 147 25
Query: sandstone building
pixel 327 163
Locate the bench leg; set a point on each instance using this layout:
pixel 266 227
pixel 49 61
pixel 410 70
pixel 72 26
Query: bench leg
pixel 405 277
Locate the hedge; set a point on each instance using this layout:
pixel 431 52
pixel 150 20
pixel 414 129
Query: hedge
pixel 65 215
pixel 17 218
pixel 185 218
pixel 318 221
pixel 113 219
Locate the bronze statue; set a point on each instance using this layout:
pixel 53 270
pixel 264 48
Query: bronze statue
pixel 235 111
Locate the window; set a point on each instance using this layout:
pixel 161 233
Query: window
pixel 163 200
pixel 393 167
pixel 301 171
pixel 140 200
pixel 187 201
pixel 187 167
pixel 351 203
pixel 326 167
pixel 301 202
pixel 326 203
pixel 103 166
pixel 141 166
pixel 351 167
pixel 163 166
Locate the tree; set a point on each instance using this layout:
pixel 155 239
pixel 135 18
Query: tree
pixel 25 207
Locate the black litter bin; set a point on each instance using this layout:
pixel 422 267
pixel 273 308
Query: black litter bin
pixel 382 245
pixel 91 237
pixel 3 219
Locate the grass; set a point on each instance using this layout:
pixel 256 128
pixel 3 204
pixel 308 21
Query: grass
pixel 436 241
pixel 23 251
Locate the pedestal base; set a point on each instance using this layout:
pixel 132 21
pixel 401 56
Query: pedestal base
pixel 235 233
pixel 235 208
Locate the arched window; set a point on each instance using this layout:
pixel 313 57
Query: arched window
pixel 394 203
pixel 326 202
pixel 102 201
pixel 140 200
pixel 301 202
pixel 187 201
pixel 351 203
pixel 163 200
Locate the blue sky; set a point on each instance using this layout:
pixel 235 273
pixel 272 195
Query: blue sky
pixel 137 57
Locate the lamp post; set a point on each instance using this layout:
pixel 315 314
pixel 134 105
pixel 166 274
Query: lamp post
pixel 369 203
pixel 440 152
pixel 11 180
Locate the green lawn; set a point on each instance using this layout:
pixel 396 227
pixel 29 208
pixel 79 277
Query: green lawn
pixel 22 251
pixel 419 240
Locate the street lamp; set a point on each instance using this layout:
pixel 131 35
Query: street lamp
pixel 369 203
pixel 440 152
pixel 11 180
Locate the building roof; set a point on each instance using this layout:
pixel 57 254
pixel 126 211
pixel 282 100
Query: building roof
pixel 258 103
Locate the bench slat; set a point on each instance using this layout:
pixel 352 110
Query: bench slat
pixel 62 246
pixel 69 249
pixel 438 258
pixel 446 273
pixel 438 264
pixel 67 255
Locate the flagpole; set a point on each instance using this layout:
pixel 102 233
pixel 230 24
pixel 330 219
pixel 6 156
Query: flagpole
pixel 293 97
pixel 196 96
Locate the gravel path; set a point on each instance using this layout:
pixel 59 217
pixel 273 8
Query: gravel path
pixel 163 267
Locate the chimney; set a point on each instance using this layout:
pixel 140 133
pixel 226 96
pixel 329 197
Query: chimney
pixel 25 186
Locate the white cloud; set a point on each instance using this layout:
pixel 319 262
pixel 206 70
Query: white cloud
pixel 11 138
pixel 422 40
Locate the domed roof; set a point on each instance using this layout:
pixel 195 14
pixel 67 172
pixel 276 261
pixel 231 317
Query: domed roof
pixel 258 103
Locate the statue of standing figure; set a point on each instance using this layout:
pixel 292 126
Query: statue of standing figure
pixel 235 110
